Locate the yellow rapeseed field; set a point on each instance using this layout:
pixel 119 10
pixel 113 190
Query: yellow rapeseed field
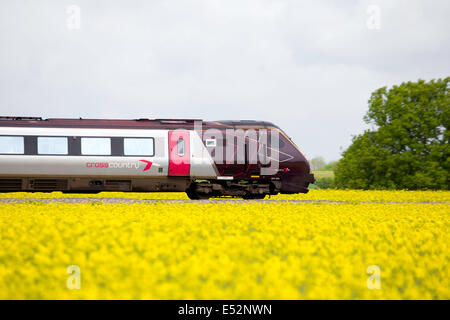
pixel 338 195
pixel 233 250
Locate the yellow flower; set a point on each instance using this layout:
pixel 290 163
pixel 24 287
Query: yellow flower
pixel 237 250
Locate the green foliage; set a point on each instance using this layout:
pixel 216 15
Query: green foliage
pixel 317 163
pixel 409 145
pixel 323 174
pixel 329 166
pixel 324 182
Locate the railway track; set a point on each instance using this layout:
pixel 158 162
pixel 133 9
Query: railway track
pixel 222 200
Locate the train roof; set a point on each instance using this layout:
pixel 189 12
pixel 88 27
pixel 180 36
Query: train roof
pixel 141 123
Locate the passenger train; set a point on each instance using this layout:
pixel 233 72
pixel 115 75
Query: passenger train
pixel 248 159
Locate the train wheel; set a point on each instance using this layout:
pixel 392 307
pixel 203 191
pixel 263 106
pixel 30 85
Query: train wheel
pixel 197 196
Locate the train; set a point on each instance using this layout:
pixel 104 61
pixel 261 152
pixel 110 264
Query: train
pixel 248 159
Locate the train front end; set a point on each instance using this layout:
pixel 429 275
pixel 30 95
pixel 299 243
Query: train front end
pixel 295 170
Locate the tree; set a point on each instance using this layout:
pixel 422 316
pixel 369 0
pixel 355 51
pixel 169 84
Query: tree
pixel 408 146
pixel 330 166
pixel 317 163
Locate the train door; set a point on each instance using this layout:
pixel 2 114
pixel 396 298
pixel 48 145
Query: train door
pixel 257 155
pixel 179 153
pixel 230 166
pixel 252 165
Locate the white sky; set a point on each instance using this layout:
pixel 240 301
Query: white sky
pixel 307 66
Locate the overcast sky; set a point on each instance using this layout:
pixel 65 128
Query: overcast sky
pixel 307 66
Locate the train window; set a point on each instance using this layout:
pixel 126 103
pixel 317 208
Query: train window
pixel 138 147
pixel 11 145
pixel 96 146
pixel 210 142
pixel 180 147
pixel 52 145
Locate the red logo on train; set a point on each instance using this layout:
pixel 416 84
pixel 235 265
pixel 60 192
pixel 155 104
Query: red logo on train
pixel 118 165
pixel 97 164
pixel 148 166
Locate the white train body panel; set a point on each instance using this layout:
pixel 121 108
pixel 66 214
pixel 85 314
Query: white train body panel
pixel 201 163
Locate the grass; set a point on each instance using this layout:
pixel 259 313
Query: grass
pixel 323 174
